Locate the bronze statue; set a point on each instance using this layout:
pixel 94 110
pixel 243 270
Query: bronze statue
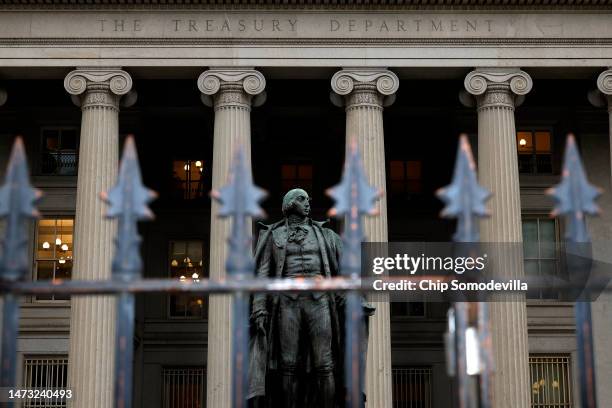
pixel 296 339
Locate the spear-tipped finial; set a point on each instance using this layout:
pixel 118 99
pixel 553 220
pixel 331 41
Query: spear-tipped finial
pixel 353 195
pixel 574 196
pixel 17 204
pixel 240 199
pixel 464 197
pixel 128 201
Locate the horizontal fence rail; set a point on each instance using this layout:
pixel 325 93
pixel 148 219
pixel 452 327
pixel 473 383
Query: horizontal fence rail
pixel 468 322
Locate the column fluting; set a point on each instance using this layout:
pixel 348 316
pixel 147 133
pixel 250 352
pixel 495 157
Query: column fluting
pixel 365 92
pixel 496 91
pixel 92 319
pixel 231 92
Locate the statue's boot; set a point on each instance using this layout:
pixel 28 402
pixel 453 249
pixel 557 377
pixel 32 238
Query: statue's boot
pixel 327 390
pixel 290 388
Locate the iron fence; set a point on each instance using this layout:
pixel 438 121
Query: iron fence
pixel 468 338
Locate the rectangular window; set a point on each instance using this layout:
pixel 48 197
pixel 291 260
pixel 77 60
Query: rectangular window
pixel 188 179
pixel 534 152
pixel 53 252
pixel 186 264
pixel 45 372
pixel 183 387
pixel 412 387
pixel 405 176
pixel 296 176
pixel 407 309
pixel 59 151
pixel 551 385
pixel 541 251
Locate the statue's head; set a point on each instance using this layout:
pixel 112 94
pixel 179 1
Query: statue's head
pixel 296 202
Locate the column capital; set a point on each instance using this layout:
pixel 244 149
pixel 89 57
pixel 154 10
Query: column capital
pixel 241 84
pixel 602 95
pixel 364 86
pixel 497 86
pixel 98 86
pixel 604 82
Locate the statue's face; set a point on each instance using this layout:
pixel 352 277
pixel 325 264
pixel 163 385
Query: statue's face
pixel 301 205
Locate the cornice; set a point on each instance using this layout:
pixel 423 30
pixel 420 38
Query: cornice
pixel 500 5
pixel 390 42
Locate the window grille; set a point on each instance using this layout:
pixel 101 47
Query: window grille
pixel 183 387
pixel 551 385
pixel 412 387
pixel 59 151
pixel 45 373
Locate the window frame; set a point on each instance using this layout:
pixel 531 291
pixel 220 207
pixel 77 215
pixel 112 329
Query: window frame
pixel 31 356
pixel 305 184
pixel 404 317
pixel 559 247
pixel 205 274
pixel 406 181
pixel 426 371
pixel 569 376
pixel 35 259
pixel 61 129
pixel 188 181
pixel 533 155
pixel 166 368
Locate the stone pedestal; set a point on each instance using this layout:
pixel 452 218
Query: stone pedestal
pixel 363 93
pixel 231 92
pixel 496 92
pixel 92 319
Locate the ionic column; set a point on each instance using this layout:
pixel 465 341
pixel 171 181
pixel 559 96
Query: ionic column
pixel 363 93
pixel 496 92
pixel 231 92
pixel 92 319
pixel 600 228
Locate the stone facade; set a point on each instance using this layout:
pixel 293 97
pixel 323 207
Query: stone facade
pixel 240 50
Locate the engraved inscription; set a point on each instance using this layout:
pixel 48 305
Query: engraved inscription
pixel 412 25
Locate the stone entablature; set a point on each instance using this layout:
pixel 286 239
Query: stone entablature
pixel 278 25
pixel 397 4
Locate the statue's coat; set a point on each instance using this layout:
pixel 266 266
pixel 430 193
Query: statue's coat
pixel 269 261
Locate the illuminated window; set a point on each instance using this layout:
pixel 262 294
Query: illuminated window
pixel 188 178
pixel 405 176
pixel 59 151
pixel 534 152
pixel 186 264
pixel 412 387
pixel 550 381
pixel 296 176
pixel 183 387
pixel 53 253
